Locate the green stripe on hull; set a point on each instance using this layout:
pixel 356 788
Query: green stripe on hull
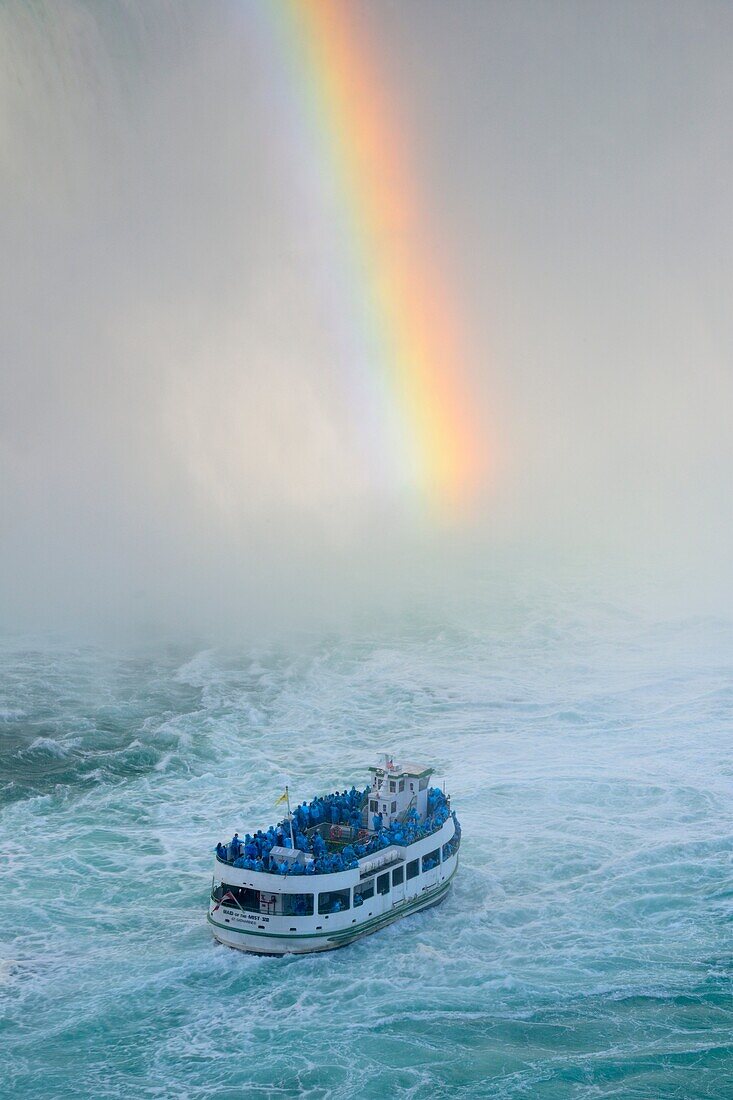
pixel 344 936
pixel 350 935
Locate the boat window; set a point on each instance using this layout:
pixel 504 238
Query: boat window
pixel 383 884
pixel 431 859
pixel 423 784
pixel 237 897
pixel 363 891
pixel 392 787
pixel 402 785
pixel 398 876
pixel 268 902
pixel 412 869
pixel 334 901
pixel 451 847
pixel 373 805
pixel 297 905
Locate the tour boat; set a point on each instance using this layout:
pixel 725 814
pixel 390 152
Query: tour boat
pixel 338 867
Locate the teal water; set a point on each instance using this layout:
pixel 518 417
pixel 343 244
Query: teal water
pixel 585 949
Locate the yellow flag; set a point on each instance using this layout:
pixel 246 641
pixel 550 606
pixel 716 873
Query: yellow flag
pixel 283 798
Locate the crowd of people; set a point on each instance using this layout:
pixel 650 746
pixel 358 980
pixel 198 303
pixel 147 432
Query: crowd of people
pixel 342 808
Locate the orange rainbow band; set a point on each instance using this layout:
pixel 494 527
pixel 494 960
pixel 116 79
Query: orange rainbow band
pixel 412 326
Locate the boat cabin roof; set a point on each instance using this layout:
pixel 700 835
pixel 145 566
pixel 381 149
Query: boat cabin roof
pixel 397 771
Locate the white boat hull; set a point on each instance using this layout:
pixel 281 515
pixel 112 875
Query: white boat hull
pixel 260 943
pixel 271 932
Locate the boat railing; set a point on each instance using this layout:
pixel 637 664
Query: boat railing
pixel 337 836
pixel 401 818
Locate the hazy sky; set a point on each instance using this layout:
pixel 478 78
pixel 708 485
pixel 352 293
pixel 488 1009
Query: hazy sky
pixel 176 428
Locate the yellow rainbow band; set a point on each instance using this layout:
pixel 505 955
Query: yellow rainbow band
pixel 413 328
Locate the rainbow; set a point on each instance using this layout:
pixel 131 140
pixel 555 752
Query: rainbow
pixel 403 329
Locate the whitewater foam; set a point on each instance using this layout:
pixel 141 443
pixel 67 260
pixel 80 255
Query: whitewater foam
pixel 584 951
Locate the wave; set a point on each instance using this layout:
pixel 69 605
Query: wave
pixel 582 950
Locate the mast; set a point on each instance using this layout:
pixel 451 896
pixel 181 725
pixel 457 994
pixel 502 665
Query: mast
pixel 290 816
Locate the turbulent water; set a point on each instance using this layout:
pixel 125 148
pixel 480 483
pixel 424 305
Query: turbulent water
pixel 584 950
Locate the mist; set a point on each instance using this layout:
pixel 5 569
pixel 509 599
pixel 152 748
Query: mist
pixel 182 443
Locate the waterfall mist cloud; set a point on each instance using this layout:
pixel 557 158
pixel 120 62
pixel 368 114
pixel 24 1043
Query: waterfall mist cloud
pixel 178 438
